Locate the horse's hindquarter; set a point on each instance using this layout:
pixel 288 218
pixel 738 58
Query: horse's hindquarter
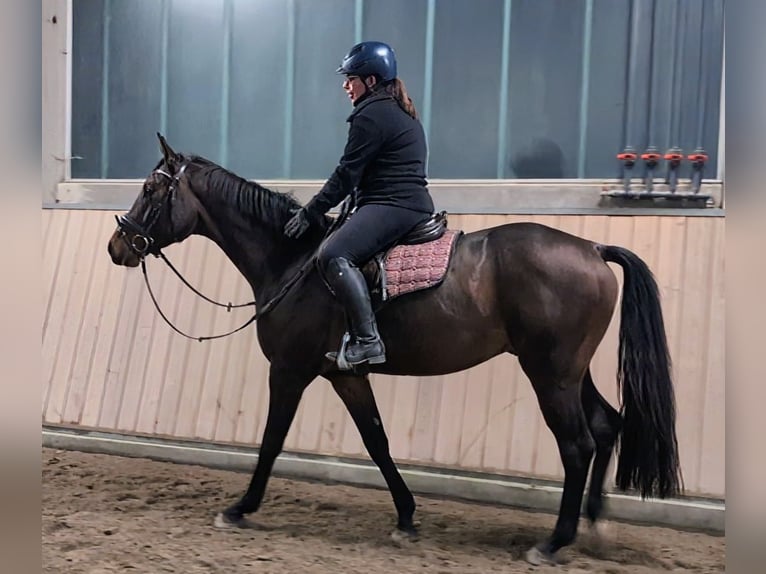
pixel 557 290
pixel 508 288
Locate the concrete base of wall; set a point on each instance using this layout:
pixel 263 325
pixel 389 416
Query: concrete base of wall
pixel 495 489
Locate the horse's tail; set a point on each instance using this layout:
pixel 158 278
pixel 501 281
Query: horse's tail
pixel 648 450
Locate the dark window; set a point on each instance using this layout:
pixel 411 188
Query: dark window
pixel 506 89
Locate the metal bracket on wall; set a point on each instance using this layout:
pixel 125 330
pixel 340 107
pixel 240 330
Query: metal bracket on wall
pixel 658 197
pixel 669 192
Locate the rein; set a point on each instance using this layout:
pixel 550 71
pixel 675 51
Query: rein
pixel 228 306
pixel 257 315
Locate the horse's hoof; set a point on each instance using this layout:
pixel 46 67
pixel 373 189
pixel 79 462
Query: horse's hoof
pixel 597 538
pixel 401 537
pixel 602 531
pixel 225 523
pixel 538 557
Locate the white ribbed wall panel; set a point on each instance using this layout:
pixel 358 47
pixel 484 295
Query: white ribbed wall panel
pixel 109 362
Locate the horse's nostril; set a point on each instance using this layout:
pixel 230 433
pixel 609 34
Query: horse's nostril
pixel 116 251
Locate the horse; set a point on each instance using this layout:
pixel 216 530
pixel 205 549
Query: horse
pixel 535 292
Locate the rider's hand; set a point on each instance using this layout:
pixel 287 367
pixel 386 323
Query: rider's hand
pixel 297 225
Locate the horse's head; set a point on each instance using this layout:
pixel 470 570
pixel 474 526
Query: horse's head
pixel 165 212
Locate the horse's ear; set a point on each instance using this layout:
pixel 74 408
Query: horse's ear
pixel 171 157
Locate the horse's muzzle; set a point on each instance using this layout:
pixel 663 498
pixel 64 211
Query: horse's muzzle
pixel 119 251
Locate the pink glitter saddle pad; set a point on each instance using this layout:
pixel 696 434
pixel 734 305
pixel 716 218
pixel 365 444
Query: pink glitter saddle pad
pixel 409 268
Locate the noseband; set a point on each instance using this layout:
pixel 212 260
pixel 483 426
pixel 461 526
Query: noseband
pixel 142 241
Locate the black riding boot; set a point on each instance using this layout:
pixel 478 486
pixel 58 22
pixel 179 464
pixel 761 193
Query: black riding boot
pixel 351 291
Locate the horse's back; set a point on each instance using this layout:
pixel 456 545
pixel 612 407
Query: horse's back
pixel 528 232
pixel 540 248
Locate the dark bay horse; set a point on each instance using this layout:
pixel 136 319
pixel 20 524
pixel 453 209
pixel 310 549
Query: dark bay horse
pixel 526 289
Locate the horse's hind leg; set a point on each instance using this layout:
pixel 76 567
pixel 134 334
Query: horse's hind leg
pixel 604 422
pixel 356 394
pixel 559 398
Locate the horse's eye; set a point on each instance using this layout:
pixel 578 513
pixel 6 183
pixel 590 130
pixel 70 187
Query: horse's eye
pixel 148 190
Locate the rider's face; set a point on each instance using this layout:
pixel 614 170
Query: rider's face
pixel 356 88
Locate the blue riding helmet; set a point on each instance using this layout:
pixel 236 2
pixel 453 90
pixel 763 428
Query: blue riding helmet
pixel 368 59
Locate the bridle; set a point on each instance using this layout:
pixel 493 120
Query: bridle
pixel 143 243
pixel 142 240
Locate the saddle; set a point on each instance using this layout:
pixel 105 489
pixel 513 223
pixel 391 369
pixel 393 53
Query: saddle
pixel 430 230
pixel 417 261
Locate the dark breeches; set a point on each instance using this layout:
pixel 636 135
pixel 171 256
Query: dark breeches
pixel 370 230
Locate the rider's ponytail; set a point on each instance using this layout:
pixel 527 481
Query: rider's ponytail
pixel 396 89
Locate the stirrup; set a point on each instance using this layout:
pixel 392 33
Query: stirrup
pixel 339 357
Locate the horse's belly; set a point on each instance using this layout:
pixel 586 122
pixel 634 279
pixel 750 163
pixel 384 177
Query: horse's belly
pixel 436 350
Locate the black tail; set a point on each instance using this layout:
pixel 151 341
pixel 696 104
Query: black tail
pixel 648 450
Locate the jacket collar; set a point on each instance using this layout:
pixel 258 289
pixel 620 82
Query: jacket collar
pixel 366 102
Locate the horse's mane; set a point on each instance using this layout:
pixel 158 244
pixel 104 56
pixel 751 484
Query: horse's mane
pixel 270 207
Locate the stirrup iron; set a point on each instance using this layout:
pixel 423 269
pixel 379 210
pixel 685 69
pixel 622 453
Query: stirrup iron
pixel 339 357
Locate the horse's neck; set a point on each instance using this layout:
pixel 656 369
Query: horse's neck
pixel 258 252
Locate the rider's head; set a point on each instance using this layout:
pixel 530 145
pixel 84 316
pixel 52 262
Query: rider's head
pixel 368 66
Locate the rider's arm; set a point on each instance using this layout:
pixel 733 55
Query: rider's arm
pixel 364 142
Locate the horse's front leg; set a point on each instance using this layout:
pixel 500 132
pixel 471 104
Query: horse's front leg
pixel 356 394
pixel 285 390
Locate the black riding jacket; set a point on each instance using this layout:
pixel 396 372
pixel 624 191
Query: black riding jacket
pixel 384 160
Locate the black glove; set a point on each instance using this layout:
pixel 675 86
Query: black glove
pixel 297 225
